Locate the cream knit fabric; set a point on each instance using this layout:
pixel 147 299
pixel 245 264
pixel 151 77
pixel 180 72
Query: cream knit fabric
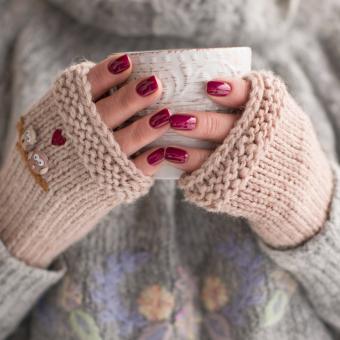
pixel 86 176
pixel 270 169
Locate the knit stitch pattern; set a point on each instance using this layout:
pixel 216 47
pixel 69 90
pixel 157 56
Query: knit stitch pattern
pixel 87 176
pixel 270 169
pixel 93 141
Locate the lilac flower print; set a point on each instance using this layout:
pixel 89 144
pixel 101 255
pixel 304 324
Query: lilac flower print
pixel 187 318
pixel 162 331
pixel 217 327
pixel 186 285
pixel 248 265
pixel 105 294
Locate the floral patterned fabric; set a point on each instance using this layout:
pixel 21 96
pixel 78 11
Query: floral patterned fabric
pixel 238 288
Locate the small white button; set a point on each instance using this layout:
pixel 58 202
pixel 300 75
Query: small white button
pixel 29 139
pixel 38 162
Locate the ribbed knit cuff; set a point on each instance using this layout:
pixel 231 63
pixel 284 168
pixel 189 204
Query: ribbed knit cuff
pixel 270 169
pixel 54 191
pixel 92 139
pixel 21 286
pixel 316 263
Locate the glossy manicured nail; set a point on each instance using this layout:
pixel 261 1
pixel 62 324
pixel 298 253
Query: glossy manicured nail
pixel 176 155
pixel 160 118
pixel 156 156
pixel 183 122
pixel 147 86
pixel 119 65
pixel 218 88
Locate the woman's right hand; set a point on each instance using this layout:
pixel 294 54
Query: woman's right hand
pixel 69 168
pixel 122 104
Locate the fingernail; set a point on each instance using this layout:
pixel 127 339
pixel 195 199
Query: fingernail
pixel 176 155
pixel 119 65
pixel 147 86
pixel 156 156
pixel 160 118
pixel 218 88
pixel 182 122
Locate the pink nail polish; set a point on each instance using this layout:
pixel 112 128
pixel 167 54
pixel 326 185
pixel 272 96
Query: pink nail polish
pixel 119 65
pixel 176 155
pixel 183 122
pixel 156 156
pixel 147 86
pixel 218 88
pixel 160 118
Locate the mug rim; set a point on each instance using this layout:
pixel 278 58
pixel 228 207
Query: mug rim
pixel 187 50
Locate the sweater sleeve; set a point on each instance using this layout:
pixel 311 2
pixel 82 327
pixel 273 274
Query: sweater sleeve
pixel 65 172
pixel 20 287
pixel 315 264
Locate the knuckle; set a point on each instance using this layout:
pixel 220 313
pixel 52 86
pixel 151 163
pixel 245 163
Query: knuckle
pixel 138 133
pixel 104 110
pixel 95 76
pixel 202 156
pixel 126 100
pixel 211 126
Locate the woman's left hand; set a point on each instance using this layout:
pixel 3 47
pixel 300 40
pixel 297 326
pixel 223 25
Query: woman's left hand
pixel 269 167
pixel 210 126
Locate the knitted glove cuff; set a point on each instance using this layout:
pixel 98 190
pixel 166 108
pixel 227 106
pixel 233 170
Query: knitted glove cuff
pixel 270 169
pixel 66 172
pixel 94 142
pixel 231 165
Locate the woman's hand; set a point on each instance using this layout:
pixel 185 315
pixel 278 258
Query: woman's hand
pixel 211 126
pixel 269 167
pixel 122 104
pixel 69 168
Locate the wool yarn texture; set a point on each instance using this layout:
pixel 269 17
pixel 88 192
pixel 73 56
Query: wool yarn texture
pixel 270 169
pixel 87 174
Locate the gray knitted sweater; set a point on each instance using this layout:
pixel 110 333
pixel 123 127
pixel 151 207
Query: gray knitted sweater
pixel 214 279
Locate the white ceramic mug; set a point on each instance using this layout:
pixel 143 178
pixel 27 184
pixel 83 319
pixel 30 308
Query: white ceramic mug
pixel 184 73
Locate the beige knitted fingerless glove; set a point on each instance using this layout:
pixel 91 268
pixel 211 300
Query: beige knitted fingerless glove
pixel 64 174
pixel 270 169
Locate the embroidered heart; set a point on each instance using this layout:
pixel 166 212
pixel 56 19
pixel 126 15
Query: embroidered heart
pixel 57 138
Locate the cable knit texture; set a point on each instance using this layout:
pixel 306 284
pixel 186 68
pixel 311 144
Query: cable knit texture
pixel 86 176
pixel 270 169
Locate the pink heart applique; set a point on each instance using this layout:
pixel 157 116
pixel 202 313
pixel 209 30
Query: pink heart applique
pixel 57 138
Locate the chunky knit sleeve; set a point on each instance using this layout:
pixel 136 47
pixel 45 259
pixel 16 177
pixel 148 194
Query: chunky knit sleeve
pixel 20 288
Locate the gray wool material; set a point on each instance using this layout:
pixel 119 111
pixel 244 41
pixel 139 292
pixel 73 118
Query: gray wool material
pixel 219 281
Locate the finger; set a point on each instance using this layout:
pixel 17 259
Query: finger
pixel 150 161
pixel 110 72
pixel 232 92
pixel 210 126
pixel 143 131
pixel 187 159
pixel 129 99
